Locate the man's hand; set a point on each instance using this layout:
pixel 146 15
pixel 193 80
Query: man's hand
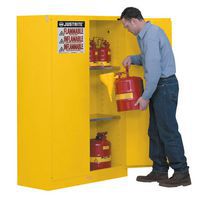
pixel 127 62
pixel 143 103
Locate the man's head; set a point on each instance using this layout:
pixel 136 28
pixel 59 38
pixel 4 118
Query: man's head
pixel 132 20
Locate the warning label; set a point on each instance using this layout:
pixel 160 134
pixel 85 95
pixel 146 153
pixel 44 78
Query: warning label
pixel 71 36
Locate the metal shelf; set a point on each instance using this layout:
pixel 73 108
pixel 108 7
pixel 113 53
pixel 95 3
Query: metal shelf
pixel 104 69
pixel 102 117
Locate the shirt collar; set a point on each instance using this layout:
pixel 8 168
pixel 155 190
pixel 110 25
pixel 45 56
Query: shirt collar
pixel 144 29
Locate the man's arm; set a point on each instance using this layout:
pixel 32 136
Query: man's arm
pixel 136 59
pixel 152 67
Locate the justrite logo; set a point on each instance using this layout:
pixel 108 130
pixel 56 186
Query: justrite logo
pixel 61 23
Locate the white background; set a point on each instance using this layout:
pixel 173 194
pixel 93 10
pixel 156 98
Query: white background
pixel 185 16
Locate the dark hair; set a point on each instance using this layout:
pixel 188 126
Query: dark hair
pixel 130 13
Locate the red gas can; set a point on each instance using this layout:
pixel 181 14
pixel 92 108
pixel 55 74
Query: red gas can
pixel 93 53
pixel 104 53
pixel 100 152
pixel 127 91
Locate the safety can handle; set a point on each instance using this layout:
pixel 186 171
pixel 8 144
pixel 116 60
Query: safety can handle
pixel 127 71
pixel 119 74
pixel 101 135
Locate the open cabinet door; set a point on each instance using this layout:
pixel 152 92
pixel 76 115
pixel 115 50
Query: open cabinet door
pixel 137 122
pixel 70 98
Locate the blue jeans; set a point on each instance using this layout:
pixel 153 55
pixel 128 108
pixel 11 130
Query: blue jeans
pixel 166 147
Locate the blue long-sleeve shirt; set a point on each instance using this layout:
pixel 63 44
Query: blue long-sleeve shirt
pixel 156 57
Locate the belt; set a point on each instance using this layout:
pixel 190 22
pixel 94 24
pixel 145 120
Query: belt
pixel 169 79
pixel 165 78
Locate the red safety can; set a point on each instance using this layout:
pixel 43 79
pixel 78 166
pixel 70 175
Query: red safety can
pixel 104 53
pixel 100 152
pixel 128 90
pixel 93 52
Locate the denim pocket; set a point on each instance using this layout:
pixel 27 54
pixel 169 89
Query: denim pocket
pixel 172 91
pixel 161 89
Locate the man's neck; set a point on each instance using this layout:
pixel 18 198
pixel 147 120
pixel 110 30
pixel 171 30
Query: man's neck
pixel 141 25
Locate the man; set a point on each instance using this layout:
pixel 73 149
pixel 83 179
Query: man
pixel 161 94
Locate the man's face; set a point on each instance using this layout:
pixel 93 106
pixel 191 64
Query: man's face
pixel 131 25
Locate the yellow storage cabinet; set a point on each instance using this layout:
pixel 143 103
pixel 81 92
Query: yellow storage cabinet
pixel 62 103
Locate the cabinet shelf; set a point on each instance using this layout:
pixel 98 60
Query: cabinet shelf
pixel 102 117
pixel 102 68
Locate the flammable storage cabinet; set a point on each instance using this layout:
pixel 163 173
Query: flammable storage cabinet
pixel 62 103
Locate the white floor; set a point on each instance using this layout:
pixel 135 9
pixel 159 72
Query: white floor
pixel 120 188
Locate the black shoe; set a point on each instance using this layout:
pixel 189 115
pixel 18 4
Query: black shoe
pixel 153 177
pixel 178 179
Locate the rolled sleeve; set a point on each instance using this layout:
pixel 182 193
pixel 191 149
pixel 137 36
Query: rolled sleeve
pixel 136 59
